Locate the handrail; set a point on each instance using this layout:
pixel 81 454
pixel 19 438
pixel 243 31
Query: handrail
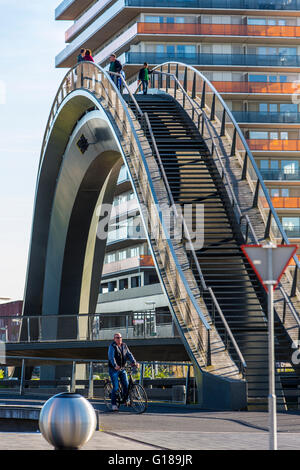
pixel 198 268
pixel 224 172
pixel 101 83
pixel 244 142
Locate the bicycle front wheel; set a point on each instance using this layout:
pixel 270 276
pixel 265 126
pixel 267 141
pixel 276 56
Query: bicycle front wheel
pixel 107 395
pixel 138 398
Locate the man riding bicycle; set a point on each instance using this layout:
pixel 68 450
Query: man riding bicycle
pixel 118 355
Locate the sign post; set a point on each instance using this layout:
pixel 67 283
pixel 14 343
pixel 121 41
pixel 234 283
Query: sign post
pixel 269 263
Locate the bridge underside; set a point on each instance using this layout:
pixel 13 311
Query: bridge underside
pixel 143 350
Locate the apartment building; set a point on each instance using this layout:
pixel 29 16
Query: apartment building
pixel 249 49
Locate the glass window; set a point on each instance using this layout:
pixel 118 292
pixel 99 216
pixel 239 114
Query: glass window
pixel 160 49
pixel 135 251
pixel 284 135
pixel 154 19
pixel 285 192
pixel 283 78
pixel 287 50
pixel 290 223
pixel 288 107
pixel 122 255
pixel 258 135
pixel 179 19
pixel 258 78
pixel 257 21
pixel 136 281
pixel 264 164
pixel 274 192
pixel 274 135
pixel 273 107
pixel 111 257
pixel 123 284
pixel 289 166
pixel 274 164
pixel 263 107
pixel 272 78
pixel 170 19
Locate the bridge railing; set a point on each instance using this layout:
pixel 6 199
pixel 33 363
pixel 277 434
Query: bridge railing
pixel 144 174
pixel 206 106
pixel 87 327
pixel 97 373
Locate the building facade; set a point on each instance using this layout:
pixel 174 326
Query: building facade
pixel 249 50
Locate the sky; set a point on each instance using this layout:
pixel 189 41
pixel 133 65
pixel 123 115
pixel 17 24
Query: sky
pixel 30 40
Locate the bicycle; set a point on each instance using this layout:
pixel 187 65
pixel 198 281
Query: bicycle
pixel 137 397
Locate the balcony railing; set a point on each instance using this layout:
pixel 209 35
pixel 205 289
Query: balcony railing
pixel 280 175
pixel 258 116
pixel 274 145
pixel 218 29
pixel 92 327
pixel 256 87
pixel 129 263
pixel 222 4
pixel 126 233
pixel 283 203
pixel 249 60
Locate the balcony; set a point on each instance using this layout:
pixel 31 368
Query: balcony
pixel 274 145
pixel 71 9
pixel 196 29
pixel 141 261
pixel 257 87
pixel 248 60
pixel 291 231
pixel 283 203
pixel 220 4
pixel 280 175
pixel 263 117
pixel 126 233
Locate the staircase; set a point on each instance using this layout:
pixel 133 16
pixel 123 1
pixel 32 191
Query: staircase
pixel 194 179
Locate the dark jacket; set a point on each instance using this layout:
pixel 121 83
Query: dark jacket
pixel 118 356
pixel 115 66
pixel 142 74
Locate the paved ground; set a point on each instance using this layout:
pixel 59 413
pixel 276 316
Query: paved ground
pixel 168 427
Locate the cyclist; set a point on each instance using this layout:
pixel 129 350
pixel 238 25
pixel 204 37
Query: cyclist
pixel 118 355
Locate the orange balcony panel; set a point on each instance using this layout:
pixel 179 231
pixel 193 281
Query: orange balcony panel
pixel 283 202
pixel 218 29
pixel 146 260
pixel 256 87
pixel 274 145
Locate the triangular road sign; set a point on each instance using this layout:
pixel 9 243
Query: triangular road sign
pixel 257 256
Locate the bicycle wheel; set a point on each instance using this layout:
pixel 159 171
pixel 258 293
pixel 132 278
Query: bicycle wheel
pixel 138 398
pixel 107 395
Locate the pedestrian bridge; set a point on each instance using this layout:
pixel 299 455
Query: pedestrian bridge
pixel 201 196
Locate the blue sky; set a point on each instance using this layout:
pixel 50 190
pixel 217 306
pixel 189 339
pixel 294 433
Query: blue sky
pixel 30 39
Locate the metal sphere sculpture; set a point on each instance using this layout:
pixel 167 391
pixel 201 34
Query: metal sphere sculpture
pixel 67 421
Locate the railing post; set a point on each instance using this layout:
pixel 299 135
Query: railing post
pixel 213 107
pixel 126 326
pixel 141 381
pixel 284 311
pixel 168 79
pixel 160 79
pixel 256 193
pixel 268 226
pixel 187 381
pixel 194 86
pixel 244 172
pixel 294 285
pixel 73 377
pixel 222 132
pixel 233 146
pixel 22 379
pixel 28 329
pixel 208 350
pixel 202 105
pixel 91 382
pixel 185 79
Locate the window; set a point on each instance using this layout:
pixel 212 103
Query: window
pixel 136 281
pixel 264 164
pixel 110 257
pixel 285 192
pixel 274 192
pixel 258 135
pixel 289 166
pixel 123 284
pixel 135 251
pixel 122 255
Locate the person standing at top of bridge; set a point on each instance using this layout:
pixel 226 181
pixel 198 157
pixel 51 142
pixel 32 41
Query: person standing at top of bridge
pixel 144 77
pixel 118 355
pixel 115 66
pixel 88 56
pixel 80 57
